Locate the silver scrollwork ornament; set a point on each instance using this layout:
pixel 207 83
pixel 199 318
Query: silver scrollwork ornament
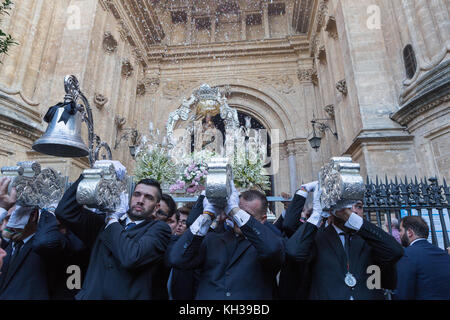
pixel 100 188
pixel 218 182
pixel 340 183
pixel 35 187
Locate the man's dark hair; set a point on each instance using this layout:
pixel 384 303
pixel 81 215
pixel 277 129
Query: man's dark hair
pixel 416 224
pixel 184 210
pixel 251 195
pixel 154 183
pixel 170 203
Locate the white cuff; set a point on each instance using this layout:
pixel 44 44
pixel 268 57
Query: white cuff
pixel 354 222
pixel 201 225
pixel 241 217
pixel 302 193
pixel 3 214
pixel 315 219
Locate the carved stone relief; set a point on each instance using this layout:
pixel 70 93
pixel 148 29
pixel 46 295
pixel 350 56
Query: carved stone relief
pixel 140 88
pixel 329 109
pixel 175 89
pixel 341 86
pixel 307 75
pixel 100 100
pixel 127 68
pixel 109 43
pixel 283 84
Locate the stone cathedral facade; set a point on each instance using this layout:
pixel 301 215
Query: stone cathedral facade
pixel 375 72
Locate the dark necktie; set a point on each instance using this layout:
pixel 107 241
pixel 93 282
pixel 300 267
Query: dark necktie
pixel 130 225
pixel 347 244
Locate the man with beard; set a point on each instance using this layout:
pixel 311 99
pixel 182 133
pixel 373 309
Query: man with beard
pixel 424 270
pixel 127 246
pixel 338 256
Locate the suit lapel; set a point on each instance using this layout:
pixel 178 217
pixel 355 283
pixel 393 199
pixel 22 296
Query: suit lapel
pixel 335 243
pixel 5 266
pixel 356 246
pixel 242 246
pixel 12 269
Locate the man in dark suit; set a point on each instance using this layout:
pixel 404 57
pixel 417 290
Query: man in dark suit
pixel 127 247
pixel 235 264
pixel 60 248
pixel 24 274
pixel 424 269
pixel 338 256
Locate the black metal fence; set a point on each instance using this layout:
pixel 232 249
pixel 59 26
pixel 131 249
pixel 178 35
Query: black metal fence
pixel 425 198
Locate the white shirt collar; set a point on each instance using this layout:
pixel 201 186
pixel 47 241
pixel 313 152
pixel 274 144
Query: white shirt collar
pixel 128 220
pixel 338 230
pixel 416 241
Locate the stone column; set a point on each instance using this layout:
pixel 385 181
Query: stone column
pixel 292 167
pixel 213 28
pixel 428 28
pixel 243 26
pixel 189 26
pixel 441 16
pixel 266 20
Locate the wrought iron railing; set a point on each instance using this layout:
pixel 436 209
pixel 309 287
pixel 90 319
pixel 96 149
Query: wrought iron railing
pixel 422 197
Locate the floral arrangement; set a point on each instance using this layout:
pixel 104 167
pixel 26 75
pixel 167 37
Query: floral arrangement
pixel 155 163
pixel 193 177
pixel 248 174
pixel 192 180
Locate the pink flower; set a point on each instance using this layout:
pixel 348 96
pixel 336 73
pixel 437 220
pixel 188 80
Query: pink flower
pixel 191 190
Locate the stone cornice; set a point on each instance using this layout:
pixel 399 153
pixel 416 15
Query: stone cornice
pixel 19 128
pixel 432 90
pixel 15 107
pixel 380 135
pixel 211 51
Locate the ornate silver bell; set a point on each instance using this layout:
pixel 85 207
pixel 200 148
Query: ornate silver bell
pixel 62 139
pixel 63 135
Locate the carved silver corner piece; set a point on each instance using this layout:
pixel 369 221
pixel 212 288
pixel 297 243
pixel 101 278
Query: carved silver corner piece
pixel 218 182
pixel 341 86
pixel 341 183
pixel 100 187
pixel 35 187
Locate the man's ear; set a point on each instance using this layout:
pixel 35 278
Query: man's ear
pixel 410 233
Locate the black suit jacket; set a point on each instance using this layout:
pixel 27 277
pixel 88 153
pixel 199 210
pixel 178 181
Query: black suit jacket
pixel 60 252
pixel 123 264
pixel 232 267
pixel 325 256
pixel 293 281
pixel 423 273
pixel 26 278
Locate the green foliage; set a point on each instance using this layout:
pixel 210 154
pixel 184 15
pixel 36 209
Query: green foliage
pixel 249 175
pixel 155 164
pixel 6 40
